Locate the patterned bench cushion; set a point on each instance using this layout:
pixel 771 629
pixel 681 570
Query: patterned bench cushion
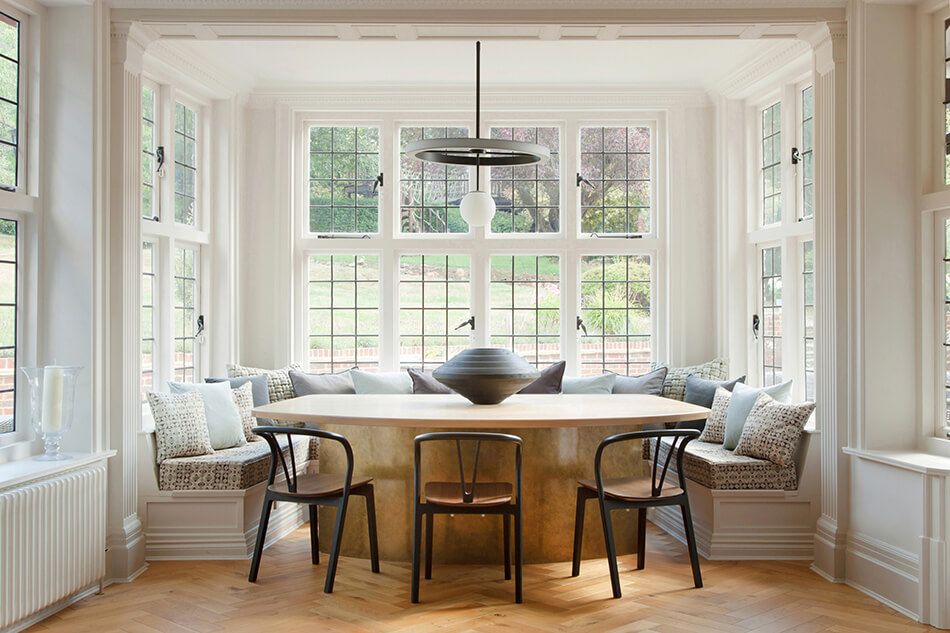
pixel 713 466
pixel 228 469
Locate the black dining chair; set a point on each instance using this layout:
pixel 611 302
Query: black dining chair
pixel 461 497
pixel 323 489
pixel 640 493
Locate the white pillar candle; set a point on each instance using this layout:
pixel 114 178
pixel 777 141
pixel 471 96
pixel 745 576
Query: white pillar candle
pixel 53 378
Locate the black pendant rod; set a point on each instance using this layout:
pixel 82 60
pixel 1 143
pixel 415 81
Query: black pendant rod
pixel 478 109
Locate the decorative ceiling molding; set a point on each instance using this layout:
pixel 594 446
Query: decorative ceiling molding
pixel 441 99
pixel 740 82
pixel 201 78
pixel 468 5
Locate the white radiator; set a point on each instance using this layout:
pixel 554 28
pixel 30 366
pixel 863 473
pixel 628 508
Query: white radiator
pixel 52 537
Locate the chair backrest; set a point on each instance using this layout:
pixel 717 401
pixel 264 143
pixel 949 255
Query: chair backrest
pixel 270 435
pixel 681 437
pixel 467 487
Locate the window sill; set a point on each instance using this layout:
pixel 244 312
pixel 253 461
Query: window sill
pixel 916 461
pixel 17 202
pixel 24 471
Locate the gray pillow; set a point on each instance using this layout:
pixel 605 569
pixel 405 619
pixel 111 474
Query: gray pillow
pixel 423 382
pixel 650 384
pixel 258 387
pixel 675 387
pixel 550 380
pixel 589 384
pixel 702 391
pixel 741 403
pixel 321 384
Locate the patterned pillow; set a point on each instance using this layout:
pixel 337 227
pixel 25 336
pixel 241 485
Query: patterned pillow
pixel 773 429
pixel 675 384
pixel 715 429
pixel 244 400
pixel 181 429
pixel 279 385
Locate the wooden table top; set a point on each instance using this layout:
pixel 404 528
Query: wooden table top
pixel 455 412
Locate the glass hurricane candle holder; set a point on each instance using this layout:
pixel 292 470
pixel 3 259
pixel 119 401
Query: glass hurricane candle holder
pixel 52 396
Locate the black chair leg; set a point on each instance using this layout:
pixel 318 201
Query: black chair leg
pixel 371 524
pixel 261 534
pixel 507 518
pixel 430 519
pixel 578 531
pixel 641 538
pixel 691 543
pixel 519 562
pixel 335 547
pixel 416 547
pixel 314 536
pixel 611 549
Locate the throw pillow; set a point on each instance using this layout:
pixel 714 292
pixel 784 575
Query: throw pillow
pixel 221 414
pixel 180 426
pixel 244 401
pixel 279 386
pixel 258 387
pixel 773 430
pixel 743 398
pixel 423 382
pixel 715 429
pixel 321 384
pixel 675 384
pixel 650 383
pixel 702 392
pixel 386 382
pixel 589 384
pixel 550 380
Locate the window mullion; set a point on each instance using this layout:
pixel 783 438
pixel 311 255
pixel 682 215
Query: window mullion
pixel 481 298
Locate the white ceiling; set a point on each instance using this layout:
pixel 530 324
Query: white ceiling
pixel 283 64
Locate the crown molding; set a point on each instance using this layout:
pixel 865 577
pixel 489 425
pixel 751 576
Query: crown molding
pixel 468 5
pixel 442 99
pixel 739 83
pixel 203 79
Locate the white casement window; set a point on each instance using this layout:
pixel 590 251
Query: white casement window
pixel 390 276
pixel 13 94
pixel 9 323
pixel 175 238
pixel 942 321
pixel 781 238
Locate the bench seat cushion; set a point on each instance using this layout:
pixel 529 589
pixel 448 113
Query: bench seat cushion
pixel 713 466
pixel 228 469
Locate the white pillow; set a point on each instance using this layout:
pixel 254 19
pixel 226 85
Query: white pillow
pixel 366 383
pixel 590 384
pixel 225 427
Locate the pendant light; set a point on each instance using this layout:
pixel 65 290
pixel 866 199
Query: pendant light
pixel 478 207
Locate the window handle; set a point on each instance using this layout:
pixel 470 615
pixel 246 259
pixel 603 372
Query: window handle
pixel 378 182
pixel 581 326
pixel 581 179
pixel 796 156
pixel 160 160
pixel 470 322
pixel 755 326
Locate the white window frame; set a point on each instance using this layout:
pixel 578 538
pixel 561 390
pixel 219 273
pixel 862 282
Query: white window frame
pixel 202 192
pixel 479 243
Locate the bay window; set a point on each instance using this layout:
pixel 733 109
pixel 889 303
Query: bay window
pixel 544 279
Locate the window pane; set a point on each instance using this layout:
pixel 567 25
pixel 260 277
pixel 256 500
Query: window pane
pixel 344 165
pixel 9 100
pixel 149 208
pixel 434 299
pixel 527 197
pixel 185 289
pixel 771 325
pixel 429 193
pixel 808 153
pixel 808 303
pixel 772 164
pixel 526 306
pixel 186 164
pixel 148 319
pixel 343 311
pixel 617 195
pixel 8 324
pixel 616 308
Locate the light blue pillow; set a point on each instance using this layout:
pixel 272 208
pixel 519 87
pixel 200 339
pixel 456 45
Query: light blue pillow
pixel 365 383
pixel 224 420
pixel 589 384
pixel 740 404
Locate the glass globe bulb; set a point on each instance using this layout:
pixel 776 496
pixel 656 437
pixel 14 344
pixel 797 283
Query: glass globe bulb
pixel 477 208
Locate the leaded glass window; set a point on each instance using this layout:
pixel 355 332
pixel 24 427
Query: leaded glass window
pixel 528 197
pixel 808 152
pixel 149 199
pixel 808 306
pixel 616 193
pixel 430 193
pixel 772 164
pixel 526 306
pixel 434 308
pixel 185 287
pixel 771 315
pixel 147 327
pixel 186 164
pixel 8 324
pixel 344 190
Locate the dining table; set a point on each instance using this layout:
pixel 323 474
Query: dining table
pixel 560 434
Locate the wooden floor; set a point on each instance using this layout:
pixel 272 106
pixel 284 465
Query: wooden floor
pixel 201 596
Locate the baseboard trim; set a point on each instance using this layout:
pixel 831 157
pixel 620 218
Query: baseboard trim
pixel 890 603
pixel 886 573
pixel 52 609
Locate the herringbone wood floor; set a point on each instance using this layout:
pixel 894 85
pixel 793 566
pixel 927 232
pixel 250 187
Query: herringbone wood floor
pixel 752 597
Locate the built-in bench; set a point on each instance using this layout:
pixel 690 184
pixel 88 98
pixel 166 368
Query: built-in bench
pixel 743 507
pixel 208 506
